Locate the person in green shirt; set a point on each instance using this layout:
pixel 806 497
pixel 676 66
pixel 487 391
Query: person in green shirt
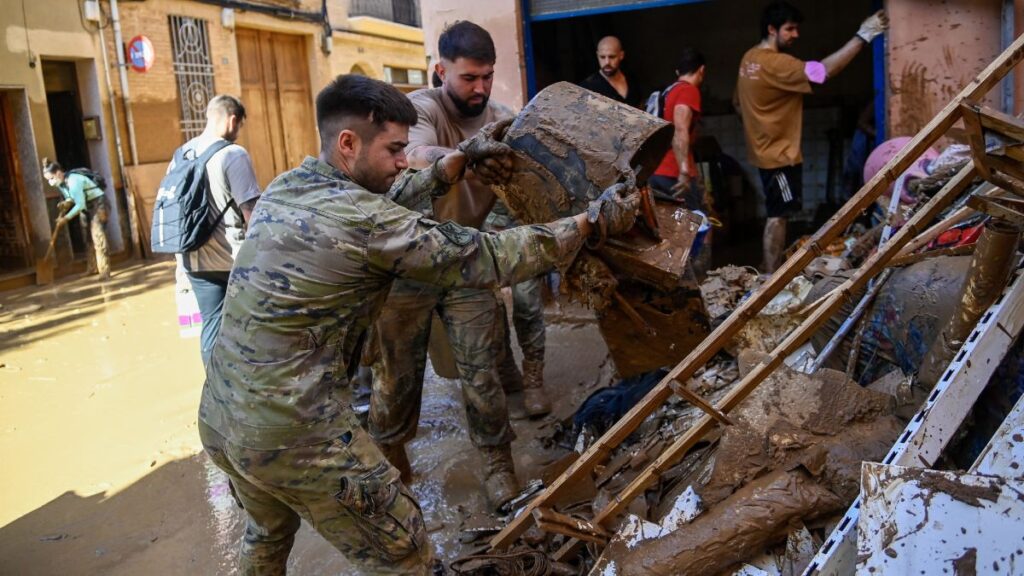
pixel 325 243
pixel 83 198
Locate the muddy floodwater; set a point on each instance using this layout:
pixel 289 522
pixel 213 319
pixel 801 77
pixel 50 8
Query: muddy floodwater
pixel 103 472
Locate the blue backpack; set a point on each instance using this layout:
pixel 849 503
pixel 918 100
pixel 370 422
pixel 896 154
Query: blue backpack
pixel 183 216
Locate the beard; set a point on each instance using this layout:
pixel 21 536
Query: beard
pixel 782 46
pixel 374 181
pixel 465 108
pixel 608 71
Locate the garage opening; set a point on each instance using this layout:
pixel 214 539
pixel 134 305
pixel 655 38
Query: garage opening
pixel 562 45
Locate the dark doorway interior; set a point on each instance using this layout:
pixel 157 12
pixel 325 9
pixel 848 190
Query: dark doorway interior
pixel 14 245
pixel 723 30
pixel 64 105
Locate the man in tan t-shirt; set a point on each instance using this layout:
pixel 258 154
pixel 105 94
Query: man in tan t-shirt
pixel 448 115
pixel 770 96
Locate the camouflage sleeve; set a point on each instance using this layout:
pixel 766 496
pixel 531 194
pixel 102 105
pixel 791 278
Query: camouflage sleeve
pixel 414 189
pixel 451 256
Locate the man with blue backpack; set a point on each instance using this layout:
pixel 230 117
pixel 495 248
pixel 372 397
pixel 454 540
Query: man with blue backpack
pixel 202 207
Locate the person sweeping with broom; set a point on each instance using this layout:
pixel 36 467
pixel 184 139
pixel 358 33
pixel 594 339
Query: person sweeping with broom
pixel 84 197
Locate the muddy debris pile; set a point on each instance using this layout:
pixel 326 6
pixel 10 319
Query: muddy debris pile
pixel 792 458
pixel 726 287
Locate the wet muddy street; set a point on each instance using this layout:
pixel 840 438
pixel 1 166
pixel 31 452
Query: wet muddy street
pixel 103 469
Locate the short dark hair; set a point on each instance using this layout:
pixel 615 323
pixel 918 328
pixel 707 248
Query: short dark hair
pixel 227 105
pixel 690 60
pixel 354 97
pixel 464 39
pixel 777 14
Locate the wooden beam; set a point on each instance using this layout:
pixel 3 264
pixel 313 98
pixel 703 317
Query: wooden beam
pixel 715 341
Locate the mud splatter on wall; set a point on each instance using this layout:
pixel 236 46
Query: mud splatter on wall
pixel 935 48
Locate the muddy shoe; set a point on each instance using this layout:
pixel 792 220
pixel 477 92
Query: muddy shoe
pixel 534 397
pixel 516 406
pixel 395 453
pixel 501 483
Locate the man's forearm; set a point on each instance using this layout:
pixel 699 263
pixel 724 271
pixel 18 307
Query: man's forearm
pixel 838 60
pixel 422 157
pixel 681 149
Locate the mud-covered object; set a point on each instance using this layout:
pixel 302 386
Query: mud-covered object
pixel 754 517
pixel 902 322
pixel 793 454
pixel 571 144
pixel 674 322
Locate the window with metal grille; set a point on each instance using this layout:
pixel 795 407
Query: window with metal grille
pixel 193 71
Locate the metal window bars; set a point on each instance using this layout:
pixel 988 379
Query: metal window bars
pixel 193 71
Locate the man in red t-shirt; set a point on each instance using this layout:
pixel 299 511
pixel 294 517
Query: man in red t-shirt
pixel 677 174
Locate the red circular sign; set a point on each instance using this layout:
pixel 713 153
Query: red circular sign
pixel 140 54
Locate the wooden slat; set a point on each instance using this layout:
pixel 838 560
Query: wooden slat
pixel 692 397
pixel 1002 123
pixel 871 267
pixel 864 198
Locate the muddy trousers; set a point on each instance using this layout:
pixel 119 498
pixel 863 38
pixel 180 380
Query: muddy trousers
pixel 528 319
pixel 345 489
pixel 403 331
pixel 94 222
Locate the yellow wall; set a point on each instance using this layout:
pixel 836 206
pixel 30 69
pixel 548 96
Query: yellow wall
pixel 371 43
pixel 53 32
pixel 32 32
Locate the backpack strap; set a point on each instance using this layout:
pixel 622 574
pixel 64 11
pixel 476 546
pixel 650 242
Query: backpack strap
pixel 202 160
pixel 88 175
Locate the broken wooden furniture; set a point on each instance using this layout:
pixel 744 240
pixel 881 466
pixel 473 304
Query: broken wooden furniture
pixel 570 145
pixel 697 358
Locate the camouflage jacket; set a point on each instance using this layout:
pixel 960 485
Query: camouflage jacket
pixel 317 262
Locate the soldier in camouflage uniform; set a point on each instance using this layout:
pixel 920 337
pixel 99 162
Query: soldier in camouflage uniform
pixel 325 243
pixel 448 115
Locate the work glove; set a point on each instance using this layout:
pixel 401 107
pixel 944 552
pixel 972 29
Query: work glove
pixel 64 206
pixel 874 26
pixel 614 211
pixel 487 155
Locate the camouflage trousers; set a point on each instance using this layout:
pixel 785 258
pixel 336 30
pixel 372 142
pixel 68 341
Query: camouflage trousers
pixel 403 332
pixel 345 489
pixel 528 319
pixel 527 314
pixel 94 221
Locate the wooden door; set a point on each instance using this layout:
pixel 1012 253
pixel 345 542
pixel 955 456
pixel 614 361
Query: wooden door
pixel 14 245
pixel 280 129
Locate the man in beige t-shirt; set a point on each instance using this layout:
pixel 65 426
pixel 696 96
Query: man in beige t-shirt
pixel 770 93
pixel 447 116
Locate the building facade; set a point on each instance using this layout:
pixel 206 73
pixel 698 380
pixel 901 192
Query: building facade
pixel 274 54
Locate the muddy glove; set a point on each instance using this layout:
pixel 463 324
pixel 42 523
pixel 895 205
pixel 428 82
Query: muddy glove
pixel 64 206
pixel 873 27
pixel 490 159
pixel 613 212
